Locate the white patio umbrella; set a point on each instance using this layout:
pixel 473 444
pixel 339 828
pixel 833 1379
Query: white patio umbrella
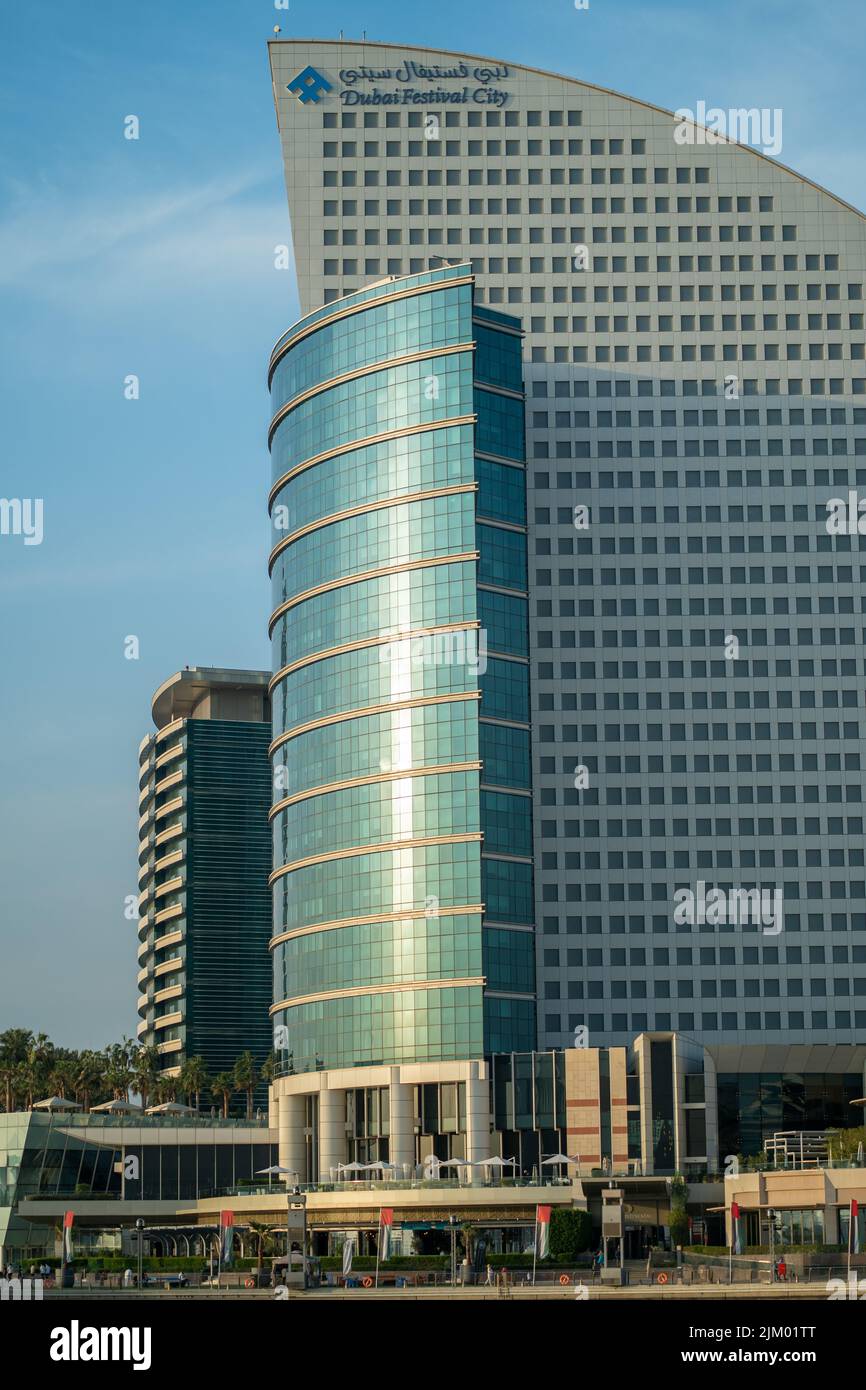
pixel 392 1167
pixel 457 1164
pixel 275 1169
pixel 170 1107
pixel 559 1158
pixel 56 1103
pixel 353 1167
pixel 495 1162
pixel 116 1107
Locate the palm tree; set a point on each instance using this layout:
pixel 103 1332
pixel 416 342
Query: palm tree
pixel 40 1056
pixel 145 1064
pixel 166 1089
pixel 22 1085
pixel 7 1079
pixel 31 1077
pixel 467 1230
pixel 88 1077
pixel 269 1067
pixel 262 1233
pixel 14 1046
pixel 118 1071
pixel 194 1079
pixel 61 1078
pixel 246 1075
pixel 223 1088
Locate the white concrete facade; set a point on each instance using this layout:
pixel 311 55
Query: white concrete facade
pixel 288 1113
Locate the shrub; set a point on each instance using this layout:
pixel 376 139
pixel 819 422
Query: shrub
pixel 570 1231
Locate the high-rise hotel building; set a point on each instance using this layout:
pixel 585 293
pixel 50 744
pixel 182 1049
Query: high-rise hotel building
pixel 693 363
pixel 403 903
pixel 204 856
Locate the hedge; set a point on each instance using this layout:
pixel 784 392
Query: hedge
pixel 512 1260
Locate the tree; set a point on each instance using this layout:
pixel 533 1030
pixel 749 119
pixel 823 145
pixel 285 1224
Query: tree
pixel 165 1090
pixel 467 1231
pixel 263 1235
pixel 245 1077
pixel 680 1226
pixel 269 1067
pixel 223 1088
pixel 844 1143
pixel 21 1085
pixel 118 1071
pixel 61 1078
pixel 679 1222
pixel 88 1077
pixel 145 1071
pixel 40 1056
pixel 194 1079
pixel 570 1232
pixel 15 1044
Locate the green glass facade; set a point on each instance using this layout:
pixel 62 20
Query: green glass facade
pixel 402 831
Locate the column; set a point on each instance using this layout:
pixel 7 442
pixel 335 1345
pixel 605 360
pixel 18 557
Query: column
pixel 477 1115
pixel 292 1142
pixel 332 1130
pixel 401 1146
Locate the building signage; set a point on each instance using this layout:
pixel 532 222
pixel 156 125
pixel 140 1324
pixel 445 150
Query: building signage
pixel 416 84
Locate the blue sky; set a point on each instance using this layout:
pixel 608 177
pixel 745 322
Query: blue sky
pixel 155 258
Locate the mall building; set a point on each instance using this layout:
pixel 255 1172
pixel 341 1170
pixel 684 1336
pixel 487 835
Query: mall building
pixel 567 1126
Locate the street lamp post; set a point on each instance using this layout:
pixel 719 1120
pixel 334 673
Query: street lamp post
pixel 139 1226
pixel 452 1222
pixel 296 1200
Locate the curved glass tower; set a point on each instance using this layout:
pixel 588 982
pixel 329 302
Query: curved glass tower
pixel 401 820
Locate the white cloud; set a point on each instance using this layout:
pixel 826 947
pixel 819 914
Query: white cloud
pixel 121 246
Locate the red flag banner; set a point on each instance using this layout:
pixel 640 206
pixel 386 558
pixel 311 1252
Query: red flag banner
pixel 68 1222
pixel 386 1222
pixel 227 1227
pixel 542 1219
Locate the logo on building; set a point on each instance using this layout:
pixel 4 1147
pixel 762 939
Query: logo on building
pixel 309 85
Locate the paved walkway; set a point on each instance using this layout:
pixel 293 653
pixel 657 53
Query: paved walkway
pixel 546 1293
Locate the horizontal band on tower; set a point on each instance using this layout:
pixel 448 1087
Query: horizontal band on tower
pixel 356 991
pixel 387 847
